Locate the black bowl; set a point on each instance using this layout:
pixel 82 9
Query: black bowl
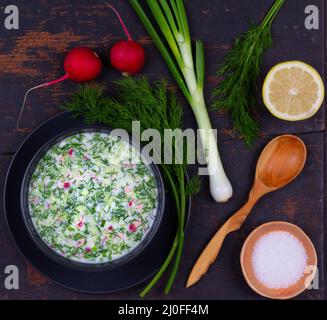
pixel 73 263
pixel 103 280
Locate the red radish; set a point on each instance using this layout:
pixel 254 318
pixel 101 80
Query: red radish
pixel 81 64
pixel 126 56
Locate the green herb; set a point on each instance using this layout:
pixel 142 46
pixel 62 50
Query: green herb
pixel 155 109
pixel 194 186
pixel 237 92
pixel 176 50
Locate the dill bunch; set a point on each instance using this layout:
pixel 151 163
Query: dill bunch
pixel 237 92
pixel 155 108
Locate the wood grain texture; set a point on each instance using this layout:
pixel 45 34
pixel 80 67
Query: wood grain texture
pixel 302 203
pixel 35 53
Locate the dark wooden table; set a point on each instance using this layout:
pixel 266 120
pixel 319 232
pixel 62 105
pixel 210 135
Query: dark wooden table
pixel 34 54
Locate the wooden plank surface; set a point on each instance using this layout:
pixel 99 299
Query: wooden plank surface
pixel 35 53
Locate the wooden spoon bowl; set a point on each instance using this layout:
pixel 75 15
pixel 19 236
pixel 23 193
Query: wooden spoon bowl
pixel 247 268
pixel 281 161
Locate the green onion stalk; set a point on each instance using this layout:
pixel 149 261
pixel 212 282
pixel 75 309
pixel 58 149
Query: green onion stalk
pixel 176 50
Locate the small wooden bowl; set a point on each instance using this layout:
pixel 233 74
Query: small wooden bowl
pixel 246 261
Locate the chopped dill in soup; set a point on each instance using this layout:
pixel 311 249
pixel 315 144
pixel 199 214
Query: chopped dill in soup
pixel 92 199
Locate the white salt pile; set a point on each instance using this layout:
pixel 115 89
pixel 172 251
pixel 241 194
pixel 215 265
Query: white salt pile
pixel 279 260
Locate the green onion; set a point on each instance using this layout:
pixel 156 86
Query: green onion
pixel 176 50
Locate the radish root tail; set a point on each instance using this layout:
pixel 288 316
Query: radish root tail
pixel 120 20
pixel 47 84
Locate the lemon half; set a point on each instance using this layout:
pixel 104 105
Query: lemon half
pixel 293 91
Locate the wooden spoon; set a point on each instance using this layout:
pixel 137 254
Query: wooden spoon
pixel 280 162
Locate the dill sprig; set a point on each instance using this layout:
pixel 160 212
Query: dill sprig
pixel 240 70
pixel 194 186
pixel 155 108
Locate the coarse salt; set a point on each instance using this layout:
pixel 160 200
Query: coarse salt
pixel 279 259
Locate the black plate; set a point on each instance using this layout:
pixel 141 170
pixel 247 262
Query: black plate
pixel 123 276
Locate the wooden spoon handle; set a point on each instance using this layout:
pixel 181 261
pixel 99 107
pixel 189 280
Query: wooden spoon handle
pixel 210 253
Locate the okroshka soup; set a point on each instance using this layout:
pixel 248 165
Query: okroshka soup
pixel 92 198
